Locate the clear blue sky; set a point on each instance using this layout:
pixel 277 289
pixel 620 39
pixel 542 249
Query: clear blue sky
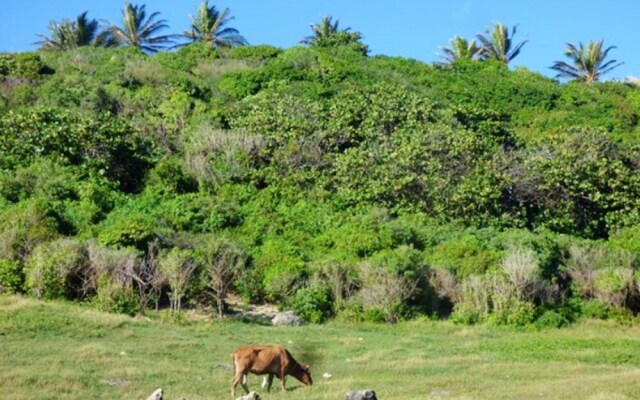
pixel 407 28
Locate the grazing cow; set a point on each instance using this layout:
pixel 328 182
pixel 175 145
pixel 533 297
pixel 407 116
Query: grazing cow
pixel 271 360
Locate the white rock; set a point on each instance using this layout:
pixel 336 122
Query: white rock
pixel 286 318
pixel 361 395
pixel 157 395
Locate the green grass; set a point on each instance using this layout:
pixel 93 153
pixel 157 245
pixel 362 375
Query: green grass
pixel 65 351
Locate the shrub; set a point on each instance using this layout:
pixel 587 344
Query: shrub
pixel 312 304
pixel 463 255
pixel 115 297
pixel 521 267
pixel 551 319
pixel 614 285
pixel 282 267
pixel 11 276
pixel 111 276
pixel 25 225
pixel 224 262
pixel 261 52
pixel 466 317
pixel 386 291
pixel 177 266
pixel 595 309
pixel 53 270
pixel 472 299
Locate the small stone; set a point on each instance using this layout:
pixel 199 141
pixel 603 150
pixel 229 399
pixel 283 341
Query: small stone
pixel 157 395
pixel 361 395
pixel 327 375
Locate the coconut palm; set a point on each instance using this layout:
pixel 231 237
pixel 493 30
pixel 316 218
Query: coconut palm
pixel 461 49
pixel 208 27
pixel 324 29
pixel 68 34
pixel 327 34
pixel 498 43
pixel 588 62
pixel 139 31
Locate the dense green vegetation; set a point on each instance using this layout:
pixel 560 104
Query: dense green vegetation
pixel 336 184
pixel 53 350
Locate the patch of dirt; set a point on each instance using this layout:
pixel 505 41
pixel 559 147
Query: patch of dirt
pixel 236 309
pixel 253 312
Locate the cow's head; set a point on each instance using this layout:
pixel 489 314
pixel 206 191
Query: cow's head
pixel 305 375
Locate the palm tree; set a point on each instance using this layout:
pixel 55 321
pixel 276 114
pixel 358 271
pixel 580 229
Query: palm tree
pixel 588 62
pixel 460 49
pixel 207 26
pixel 327 34
pixel 139 31
pixel 498 43
pixel 324 29
pixel 68 34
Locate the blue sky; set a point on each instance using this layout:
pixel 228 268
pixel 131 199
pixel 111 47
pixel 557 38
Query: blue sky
pixel 406 28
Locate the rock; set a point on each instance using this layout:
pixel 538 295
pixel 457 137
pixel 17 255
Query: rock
pixel 250 396
pixel 116 382
pixel 361 395
pixel 225 366
pixel 157 395
pixel 327 375
pixel 286 318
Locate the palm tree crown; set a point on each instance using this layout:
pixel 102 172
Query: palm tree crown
pixel 208 27
pixel 324 29
pixel 588 62
pixel 139 31
pixel 498 43
pixel 461 49
pixel 68 34
pixel 327 34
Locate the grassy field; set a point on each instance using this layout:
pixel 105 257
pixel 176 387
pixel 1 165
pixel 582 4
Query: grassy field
pixel 63 351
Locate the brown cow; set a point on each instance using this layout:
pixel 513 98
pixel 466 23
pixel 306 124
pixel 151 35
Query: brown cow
pixel 272 360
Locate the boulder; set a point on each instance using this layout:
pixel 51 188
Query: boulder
pixel 157 395
pixel 286 318
pixel 361 395
pixel 250 396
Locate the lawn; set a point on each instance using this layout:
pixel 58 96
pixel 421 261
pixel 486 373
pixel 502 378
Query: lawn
pixel 64 351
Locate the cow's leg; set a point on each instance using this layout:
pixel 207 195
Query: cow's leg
pixel 282 378
pixel 234 382
pixel 267 382
pixel 244 383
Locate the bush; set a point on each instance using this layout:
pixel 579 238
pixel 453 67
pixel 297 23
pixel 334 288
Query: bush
pixel 312 304
pixel 551 319
pixel 11 276
pixel 53 270
pixel 517 313
pixel 261 52
pixel 595 309
pixel 115 297
pixel 466 317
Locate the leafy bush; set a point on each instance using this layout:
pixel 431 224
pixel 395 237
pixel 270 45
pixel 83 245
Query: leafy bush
pixel 53 270
pixel 24 226
pixel 22 65
pixel 113 296
pixel 11 276
pixel 261 52
pixel 551 319
pixel 312 304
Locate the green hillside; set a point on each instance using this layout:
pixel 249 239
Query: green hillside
pixel 321 179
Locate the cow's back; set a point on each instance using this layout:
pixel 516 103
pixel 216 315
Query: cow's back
pixel 260 359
